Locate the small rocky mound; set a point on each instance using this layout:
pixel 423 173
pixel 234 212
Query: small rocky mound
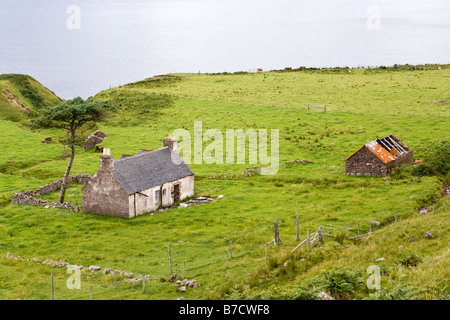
pixel 301 161
pixel 181 285
pixel 428 235
pixel 440 102
pixel 199 200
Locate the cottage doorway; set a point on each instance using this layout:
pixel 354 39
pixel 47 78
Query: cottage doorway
pixel 176 193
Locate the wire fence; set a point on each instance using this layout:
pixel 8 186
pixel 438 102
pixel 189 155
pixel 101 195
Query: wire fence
pixel 437 109
pixel 113 285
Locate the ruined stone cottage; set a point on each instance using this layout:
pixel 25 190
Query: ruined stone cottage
pixel 138 184
pixel 379 157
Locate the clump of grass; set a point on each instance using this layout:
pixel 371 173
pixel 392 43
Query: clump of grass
pixel 409 259
pixel 340 237
pixel 341 283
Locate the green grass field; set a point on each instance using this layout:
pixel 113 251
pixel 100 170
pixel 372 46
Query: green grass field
pixel 361 105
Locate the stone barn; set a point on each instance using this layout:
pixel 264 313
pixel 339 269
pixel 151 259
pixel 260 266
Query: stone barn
pixel 138 184
pixel 379 157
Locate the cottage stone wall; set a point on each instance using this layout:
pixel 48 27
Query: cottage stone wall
pixel 103 194
pixel 365 163
pixel 186 190
pixel 144 201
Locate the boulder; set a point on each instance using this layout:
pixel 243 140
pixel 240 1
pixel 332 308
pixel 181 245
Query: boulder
pixel 324 296
pixel 134 281
pixel 173 277
pixel 380 259
pixel 94 268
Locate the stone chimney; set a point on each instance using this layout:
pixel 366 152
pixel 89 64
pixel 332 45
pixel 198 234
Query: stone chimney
pixel 171 143
pixel 106 159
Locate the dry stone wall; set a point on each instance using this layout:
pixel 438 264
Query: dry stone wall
pixel 28 197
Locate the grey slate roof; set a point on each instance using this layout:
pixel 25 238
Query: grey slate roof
pixel 150 169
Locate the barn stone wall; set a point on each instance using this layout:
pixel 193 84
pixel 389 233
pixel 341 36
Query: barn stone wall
pixel 365 163
pixel 403 160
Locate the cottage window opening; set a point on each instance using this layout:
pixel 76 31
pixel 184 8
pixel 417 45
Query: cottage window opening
pixel 156 196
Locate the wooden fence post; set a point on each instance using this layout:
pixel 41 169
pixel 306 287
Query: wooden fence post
pixel 226 259
pixel 346 230
pixel 358 228
pixel 51 280
pixel 115 279
pixel 91 292
pixel 143 284
pixel 370 226
pixel 277 232
pixel 309 238
pixel 184 269
pixel 396 216
pixel 320 234
pixel 170 261
pixel 297 223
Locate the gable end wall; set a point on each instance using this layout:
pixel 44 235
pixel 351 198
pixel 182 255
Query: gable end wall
pixel 103 194
pixel 365 163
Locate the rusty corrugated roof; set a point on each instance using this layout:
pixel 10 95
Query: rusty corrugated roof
pixel 380 152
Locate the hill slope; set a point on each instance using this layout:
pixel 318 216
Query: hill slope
pixel 200 235
pixel 21 95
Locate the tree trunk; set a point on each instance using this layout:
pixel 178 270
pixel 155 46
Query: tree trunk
pixel 66 175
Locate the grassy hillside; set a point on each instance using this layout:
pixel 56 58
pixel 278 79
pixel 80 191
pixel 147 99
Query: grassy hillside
pixel 358 109
pixel 21 96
